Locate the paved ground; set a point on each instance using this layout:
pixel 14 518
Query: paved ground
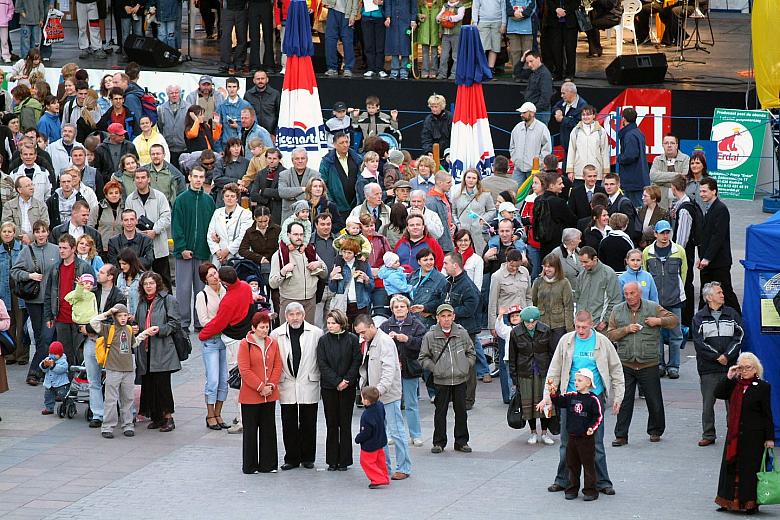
pixel 60 469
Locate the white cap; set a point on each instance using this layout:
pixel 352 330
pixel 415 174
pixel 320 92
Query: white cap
pixel 506 206
pixel 586 372
pixel 527 107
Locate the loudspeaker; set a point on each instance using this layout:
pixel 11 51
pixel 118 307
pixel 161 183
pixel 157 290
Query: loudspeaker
pixel 637 69
pixel 150 52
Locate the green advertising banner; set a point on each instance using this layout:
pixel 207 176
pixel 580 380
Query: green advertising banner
pixel 744 142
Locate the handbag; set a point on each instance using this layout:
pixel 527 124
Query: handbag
pixel 514 413
pixel 29 289
pixel 144 223
pixel 768 490
pixel 339 301
pixel 583 20
pixel 7 344
pixel 181 340
pixel 234 378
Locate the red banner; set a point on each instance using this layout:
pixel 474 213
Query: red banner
pixel 653 108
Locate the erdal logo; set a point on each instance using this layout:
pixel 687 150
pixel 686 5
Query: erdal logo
pixel 735 144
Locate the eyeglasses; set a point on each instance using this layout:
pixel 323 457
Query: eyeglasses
pixel 746 367
pixel 208 163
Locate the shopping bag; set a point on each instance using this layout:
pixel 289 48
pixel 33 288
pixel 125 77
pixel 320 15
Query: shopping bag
pixel 768 491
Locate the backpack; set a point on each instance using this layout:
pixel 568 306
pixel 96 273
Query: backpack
pixel 103 345
pixel 149 106
pixel 545 228
pixel 697 226
pixel 627 208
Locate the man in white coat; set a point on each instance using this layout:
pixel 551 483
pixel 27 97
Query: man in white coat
pixel 380 368
pixel 299 388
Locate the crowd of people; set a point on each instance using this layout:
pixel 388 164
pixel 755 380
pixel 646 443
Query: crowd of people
pixel 366 276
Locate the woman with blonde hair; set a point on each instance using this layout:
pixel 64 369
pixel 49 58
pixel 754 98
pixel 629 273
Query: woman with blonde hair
pixel 472 206
pixel 436 126
pixel 86 123
pixel 106 217
pixel 426 169
pixel 9 253
pixel 316 194
pixel 86 250
pixel 369 172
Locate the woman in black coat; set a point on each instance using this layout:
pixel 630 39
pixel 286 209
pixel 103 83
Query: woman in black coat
pixel 750 430
pixel 338 356
pixel 530 352
pixel 407 332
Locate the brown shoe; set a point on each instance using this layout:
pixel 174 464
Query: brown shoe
pixel 655 438
pixel 399 476
pixel 487 379
pixel 620 441
pixel 706 442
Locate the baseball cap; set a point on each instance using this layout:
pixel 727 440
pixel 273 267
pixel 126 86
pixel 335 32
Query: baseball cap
pixel 586 372
pixel 205 79
pixel 527 107
pixel 506 206
pixel 662 225
pixel 116 128
pixel 339 106
pixel 444 307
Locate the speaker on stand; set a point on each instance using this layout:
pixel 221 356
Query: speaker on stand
pixel 150 52
pixel 637 69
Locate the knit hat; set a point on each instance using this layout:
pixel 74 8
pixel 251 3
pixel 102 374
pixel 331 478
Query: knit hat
pixel 353 220
pixel 252 278
pixel 87 278
pixel 530 314
pixel 121 307
pixel 585 372
pixel 506 206
pixel 390 259
pixel 300 205
pixel 395 157
pixel 56 348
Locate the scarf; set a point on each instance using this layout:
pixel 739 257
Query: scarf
pixel 148 322
pixel 467 254
pixel 735 416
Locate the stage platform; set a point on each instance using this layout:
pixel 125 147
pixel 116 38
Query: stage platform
pixel 696 88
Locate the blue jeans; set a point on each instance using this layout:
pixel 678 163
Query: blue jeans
pixel 519 176
pixel 396 430
pixel 674 337
pixel 337 28
pixel 95 380
pixel 130 26
pixel 412 406
pixel 535 257
pixel 544 117
pixel 379 302
pixel 215 362
pixel 503 372
pixel 401 65
pixel 635 196
pixel 50 394
pixel 482 365
pixel 167 33
pixel 43 337
pixel 30 39
pixel 602 475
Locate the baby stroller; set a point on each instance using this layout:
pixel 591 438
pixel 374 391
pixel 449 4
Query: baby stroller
pixel 77 393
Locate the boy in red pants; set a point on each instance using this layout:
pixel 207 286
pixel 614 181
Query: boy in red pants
pixel 372 438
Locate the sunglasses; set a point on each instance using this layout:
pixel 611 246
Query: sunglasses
pixel 208 163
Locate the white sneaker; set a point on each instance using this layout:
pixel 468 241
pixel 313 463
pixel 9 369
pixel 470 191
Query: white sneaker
pixel 382 74
pixel 236 428
pixel 533 439
pixel 368 74
pixel 417 442
pixel 284 69
pixel 547 439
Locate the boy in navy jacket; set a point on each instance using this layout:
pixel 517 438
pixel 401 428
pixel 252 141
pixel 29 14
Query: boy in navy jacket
pixel 583 417
pixel 372 438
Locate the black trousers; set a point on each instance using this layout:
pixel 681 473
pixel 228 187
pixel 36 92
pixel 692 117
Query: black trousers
pixel 261 13
pixel 649 381
pixel 689 303
pixel 374 43
pixel 338 408
pixel 207 8
pixel 162 266
pixel 299 432
pixel 722 275
pixel 259 447
pixel 581 454
pixel 446 394
pixel 471 382
pixel 563 47
pixel 156 395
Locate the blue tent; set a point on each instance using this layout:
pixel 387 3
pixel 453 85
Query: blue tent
pixel 762 262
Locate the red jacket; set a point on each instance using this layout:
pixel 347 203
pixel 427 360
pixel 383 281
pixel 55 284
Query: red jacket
pixel 257 369
pixel 232 310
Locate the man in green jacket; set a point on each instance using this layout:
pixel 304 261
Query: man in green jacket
pixel 192 213
pixel 635 328
pixel 598 289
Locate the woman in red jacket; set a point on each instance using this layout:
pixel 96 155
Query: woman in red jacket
pixel 261 368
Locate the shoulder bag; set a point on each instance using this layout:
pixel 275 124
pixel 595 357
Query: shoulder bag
pixel 29 289
pixel 768 491
pixel 181 340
